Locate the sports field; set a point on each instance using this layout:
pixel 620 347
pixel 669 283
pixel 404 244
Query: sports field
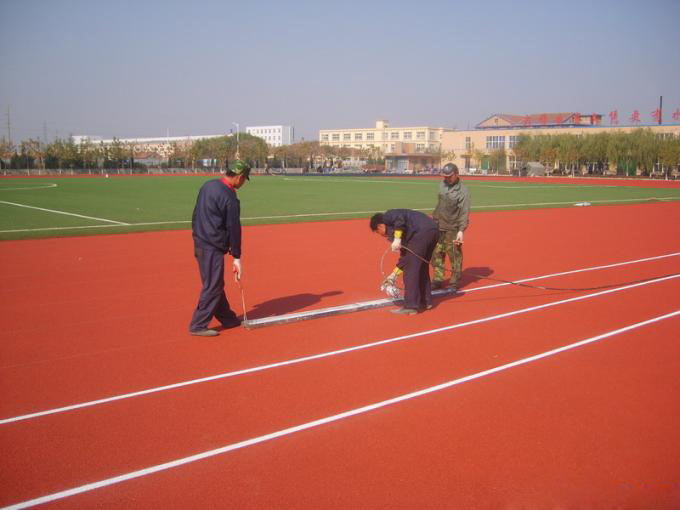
pixel 500 397
pixel 43 207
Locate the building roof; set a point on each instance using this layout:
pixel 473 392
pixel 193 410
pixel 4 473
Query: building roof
pixel 560 119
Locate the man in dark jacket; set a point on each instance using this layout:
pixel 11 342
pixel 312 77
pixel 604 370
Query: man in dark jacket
pixel 216 229
pixel 452 216
pixel 414 235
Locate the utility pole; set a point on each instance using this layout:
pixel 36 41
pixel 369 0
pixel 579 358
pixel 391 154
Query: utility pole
pixel 660 108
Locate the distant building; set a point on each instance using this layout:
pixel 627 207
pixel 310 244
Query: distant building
pixel 162 145
pixel 275 136
pixel 404 148
pixel 470 149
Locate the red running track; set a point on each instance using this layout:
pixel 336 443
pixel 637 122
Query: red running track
pixel 595 426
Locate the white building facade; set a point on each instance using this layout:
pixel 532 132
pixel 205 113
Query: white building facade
pixel 275 136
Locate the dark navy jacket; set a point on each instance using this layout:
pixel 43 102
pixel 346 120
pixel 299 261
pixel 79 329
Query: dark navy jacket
pixel 216 221
pixel 408 221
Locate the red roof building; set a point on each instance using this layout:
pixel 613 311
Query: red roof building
pixel 540 120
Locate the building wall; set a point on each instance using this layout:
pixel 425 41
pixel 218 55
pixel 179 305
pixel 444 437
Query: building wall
pixel 425 139
pixel 275 136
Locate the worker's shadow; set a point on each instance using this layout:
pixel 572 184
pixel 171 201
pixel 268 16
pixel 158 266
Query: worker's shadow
pixel 473 274
pixel 468 276
pixel 287 304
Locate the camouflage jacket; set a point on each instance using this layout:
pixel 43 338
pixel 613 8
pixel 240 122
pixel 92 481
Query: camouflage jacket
pixel 453 207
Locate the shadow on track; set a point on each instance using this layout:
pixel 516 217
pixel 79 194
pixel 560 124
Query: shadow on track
pixel 287 304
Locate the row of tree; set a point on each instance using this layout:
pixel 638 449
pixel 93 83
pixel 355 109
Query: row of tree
pixel 212 152
pixel 639 151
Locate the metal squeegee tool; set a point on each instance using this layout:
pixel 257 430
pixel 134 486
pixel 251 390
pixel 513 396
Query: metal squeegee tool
pixel 333 310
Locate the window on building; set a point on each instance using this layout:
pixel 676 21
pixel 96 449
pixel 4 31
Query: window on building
pixel 420 135
pixel 358 136
pixel 324 138
pixel 335 137
pixel 420 147
pixel 394 135
pixel 468 143
pixel 391 147
pixel 370 136
pixel 512 141
pixel 408 135
pixel 495 142
pixel 347 136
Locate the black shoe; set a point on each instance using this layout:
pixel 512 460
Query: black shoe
pixel 235 322
pixel 404 311
pixel 204 332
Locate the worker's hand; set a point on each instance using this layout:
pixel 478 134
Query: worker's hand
pixel 237 269
pixel 396 244
pixel 459 237
pixel 392 277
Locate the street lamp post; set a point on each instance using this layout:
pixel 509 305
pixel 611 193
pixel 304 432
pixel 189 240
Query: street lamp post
pixel 237 130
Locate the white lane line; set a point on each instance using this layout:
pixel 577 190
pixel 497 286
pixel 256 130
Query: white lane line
pixel 329 419
pixel 327 354
pixel 62 212
pixel 42 186
pixel 575 271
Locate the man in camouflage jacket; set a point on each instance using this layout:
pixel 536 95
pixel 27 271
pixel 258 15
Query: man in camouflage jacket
pixel 451 215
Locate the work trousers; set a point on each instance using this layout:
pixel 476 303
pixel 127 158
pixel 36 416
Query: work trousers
pixel 417 288
pixel 446 246
pixel 212 301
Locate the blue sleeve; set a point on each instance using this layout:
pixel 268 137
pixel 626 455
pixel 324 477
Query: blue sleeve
pixel 234 227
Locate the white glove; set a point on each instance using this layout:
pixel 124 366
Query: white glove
pixel 459 237
pixel 396 244
pixel 237 269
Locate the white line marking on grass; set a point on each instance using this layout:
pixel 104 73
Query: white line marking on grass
pixel 62 212
pixel 535 186
pixel 330 419
pixel 358 180
pixel 321 355
pixel 310 215
pixel 41 186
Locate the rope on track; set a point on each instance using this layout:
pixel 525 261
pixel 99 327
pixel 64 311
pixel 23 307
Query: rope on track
pixel 519 284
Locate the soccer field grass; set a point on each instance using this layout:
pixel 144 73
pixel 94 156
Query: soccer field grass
pixel 47 207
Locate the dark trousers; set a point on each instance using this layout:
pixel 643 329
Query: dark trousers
pixel 417 289
pixel 213 301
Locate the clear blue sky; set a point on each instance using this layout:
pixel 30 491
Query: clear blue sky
pixel 143 68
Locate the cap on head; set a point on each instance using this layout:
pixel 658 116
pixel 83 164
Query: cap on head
pixel 450 169
pixel 240 167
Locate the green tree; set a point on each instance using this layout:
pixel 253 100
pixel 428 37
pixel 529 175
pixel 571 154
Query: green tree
pixel 6 152
pixel 669 155
pixel 497 160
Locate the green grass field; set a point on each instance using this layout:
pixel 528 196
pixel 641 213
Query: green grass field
pixel 44 207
